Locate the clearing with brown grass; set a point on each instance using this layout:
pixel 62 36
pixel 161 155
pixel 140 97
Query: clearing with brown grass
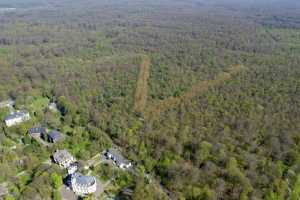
pixel 140 99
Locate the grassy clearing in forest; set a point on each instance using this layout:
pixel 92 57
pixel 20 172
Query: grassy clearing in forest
pixel 140 98
pixel 158 108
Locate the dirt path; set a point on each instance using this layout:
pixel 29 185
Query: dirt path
pixel 140 98
pixel 67 194
pixel 155 110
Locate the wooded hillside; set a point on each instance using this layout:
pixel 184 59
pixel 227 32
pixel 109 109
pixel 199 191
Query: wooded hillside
pixel 202 95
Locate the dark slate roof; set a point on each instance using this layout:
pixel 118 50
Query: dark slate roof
pixel 54 135
pixel 16 115
pixel 37 129
pixel 117 156
pixel 84 180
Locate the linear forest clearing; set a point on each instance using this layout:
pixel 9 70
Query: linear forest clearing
pixel 140 99
pixel 156 109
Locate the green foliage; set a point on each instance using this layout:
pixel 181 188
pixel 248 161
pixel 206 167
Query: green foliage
pixel 273 196
pixel 9 197
pixel 3 52
pixel 296 189
pixel 200 193
pixel 56 195
pixel 239 178
pixel 123 179
pixel 146 191
pixel 203 153
pixel 39 104
pixel 65 106
pixel 104 171
pixel 27 139
pixel 56 180
pixel 280 193
pixel 237 139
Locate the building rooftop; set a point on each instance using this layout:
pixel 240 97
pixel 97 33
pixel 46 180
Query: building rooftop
pixel 117 156
pixel 54 135
pixel 62 155
pixel 84 180
pixel 37 129
pixel 16 115
pixel 52 106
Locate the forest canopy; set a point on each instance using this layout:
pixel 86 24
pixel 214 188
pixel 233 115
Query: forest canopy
pixel 204 96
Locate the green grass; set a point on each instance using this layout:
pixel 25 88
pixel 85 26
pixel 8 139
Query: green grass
pixel 3 113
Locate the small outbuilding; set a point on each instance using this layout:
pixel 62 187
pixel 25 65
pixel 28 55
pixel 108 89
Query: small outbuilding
pixel 54 136
pixel 37 131
pixel 53 107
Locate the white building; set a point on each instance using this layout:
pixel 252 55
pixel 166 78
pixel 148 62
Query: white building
pixel 63 158
pixel 118 159
pixel 72 168
pixel 17 118
pixel 83 185
pixel 53 107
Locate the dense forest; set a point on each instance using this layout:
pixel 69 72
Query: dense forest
pixel 203 96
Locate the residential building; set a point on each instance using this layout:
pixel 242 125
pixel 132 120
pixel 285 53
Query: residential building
pixel 54 136
pixel 17 118
pixel 118 159
pixel 63 158
pixel 83 185
pixel 72 168
pixel 37 131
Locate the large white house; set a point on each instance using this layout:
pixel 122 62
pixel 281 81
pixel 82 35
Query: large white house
pixel 17 118
pixel 63 158
pixel 118 159
pixel 83 185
